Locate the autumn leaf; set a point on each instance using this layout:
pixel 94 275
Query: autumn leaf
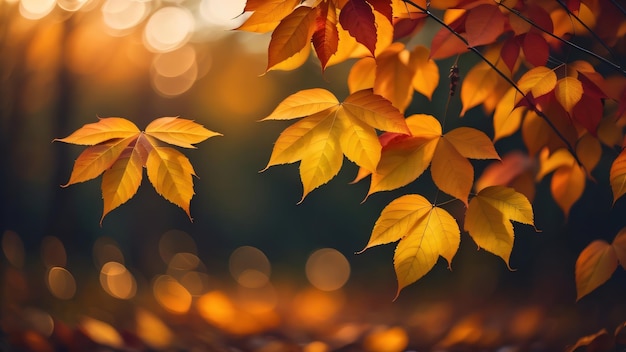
pixel 619 245
pixel 425 232
pixel 594 266
pixel 539 81
pixel 291 35
pixel 569 178
pixel 357 18
pixel 267 14
pixel 326 36
pixel 489 215
pixel 618 176
pixel 330 130
pixel 119 151
pixel 484 24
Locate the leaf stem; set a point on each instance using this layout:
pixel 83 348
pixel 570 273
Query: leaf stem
pixel 540 113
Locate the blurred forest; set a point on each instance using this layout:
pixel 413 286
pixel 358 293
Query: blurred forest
pixel 63 66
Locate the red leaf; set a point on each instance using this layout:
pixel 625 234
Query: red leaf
pixel 484 24
pixel 357 18
pixel 590 87
pixel 446 44
pixel 404 27
pixel 326 37
pixel 510 52
pixel 536 49
pixel 382 6
pixel 588 112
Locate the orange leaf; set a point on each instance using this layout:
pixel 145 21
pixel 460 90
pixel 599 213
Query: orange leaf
pixel 357 18
pixel 426 76
pixel 445 44
pixel 472 143
pixel 394 77
pixel 303 103
pixel 589 151
pixel 267 14
pixel 619 245
pixel 291 35
pixel 94 160
pixel 479 83
pixel 451 172
pixel 489 215
pixel 179 132
pixel 484 24
pixel 170 172
pixel 121 182
pixel 594 266
pixel 362 74
pixel 507 119
pixel 618 176
pixel 503 173
pixel 568 92
pixel 567 186
pixel 105 129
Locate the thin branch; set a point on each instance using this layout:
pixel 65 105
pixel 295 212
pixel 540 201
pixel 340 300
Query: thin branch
pixel 540 113
pixel 564 41
pixel 619 7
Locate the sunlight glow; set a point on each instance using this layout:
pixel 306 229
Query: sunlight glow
pixel 173 73
pixel 101 332
pixel 327 269
pixel 153 330
pixel 36 9
pixel 121 15
pixel 171 295
pixel 168 28
pixel 223 14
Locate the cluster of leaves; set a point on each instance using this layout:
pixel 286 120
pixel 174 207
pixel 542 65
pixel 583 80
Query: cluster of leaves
pixel 119 151
pixel 567 113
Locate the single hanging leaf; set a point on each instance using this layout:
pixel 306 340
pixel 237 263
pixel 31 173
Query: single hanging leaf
pixel 435 234
pixel 170 172
pixel 594 266
pixel 489 215
pixel 588 112
pixel 102 131
pixel 303 103
pixel 179 132
pixel 479 83
pixel 291 35
pixel 394 78
pixel 326 37
pixel 383 7
pixel 618 176
pixel 589 152
pixel 568 92
pixel 507 119
pixel 451 171
pixel 357 18
pixel 472 143
pixel 536 49
pixel 121 182
pixel 484 24
pixel 619 245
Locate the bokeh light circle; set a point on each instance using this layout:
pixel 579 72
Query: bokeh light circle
pixel 121 15
pixel 61 283
pixel 327 269
pixel 249 267
pixel 168 28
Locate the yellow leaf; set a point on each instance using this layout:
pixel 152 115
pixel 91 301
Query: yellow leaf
pixel 170 172
pixel 96 159
pixel 451 172
pixel 472 143
pixel 303 103
pixel 293 62
pixel 539 81
pixel 594 266
pixel 393 76
pixel 267 16
pixel 619 245
pixel 507 119
pixel 180 132
pixel 376 111
pixel 121 181
pixel 489 215
pixel 551 162
pixel 568 92
pixel 435 234
pixel 359 141
pixel 426 76
pixel 362 74
pixel 101 131
pixel 618 176
pixel 398 218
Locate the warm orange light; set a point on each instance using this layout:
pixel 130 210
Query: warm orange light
pixel 152 330
pixel 121 15
pixel 117 281
pixel 170 294
pixel 387 340
pixel 249 266
pixel 36 9
pixel 13 248
pixel 61 283
pixel 316 346
pixel 168 28
pixel 312 308
pixel 327 269
pixel 101 332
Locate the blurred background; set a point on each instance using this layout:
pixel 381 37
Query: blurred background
pixel 273 264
